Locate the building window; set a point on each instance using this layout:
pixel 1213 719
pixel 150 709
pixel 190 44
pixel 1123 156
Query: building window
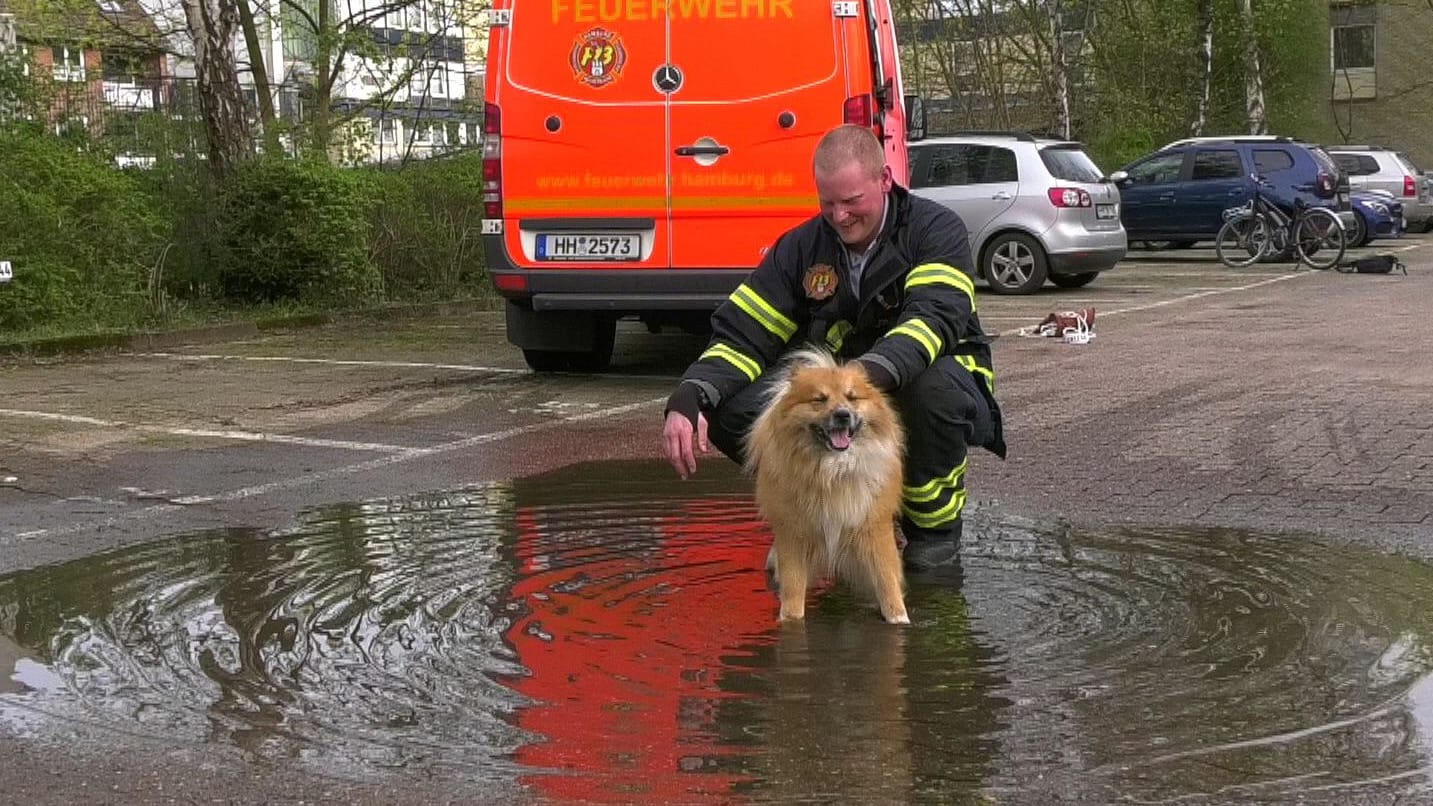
pixel 68 64
pixel 388 131
pixel 1353 51
pixel 1353 47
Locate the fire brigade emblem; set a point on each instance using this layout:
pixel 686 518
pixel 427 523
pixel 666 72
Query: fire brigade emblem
pixel 598 57
pixel 820 282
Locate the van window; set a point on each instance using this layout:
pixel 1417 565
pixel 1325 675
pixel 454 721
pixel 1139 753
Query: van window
pixel 972 165
pixel 1070 164
pixel 1217 165
pixel 1271 161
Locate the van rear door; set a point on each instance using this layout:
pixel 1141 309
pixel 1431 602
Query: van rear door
pixel 584 159
pixel 742 135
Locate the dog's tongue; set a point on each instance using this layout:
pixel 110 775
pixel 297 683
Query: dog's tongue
pixel 840 439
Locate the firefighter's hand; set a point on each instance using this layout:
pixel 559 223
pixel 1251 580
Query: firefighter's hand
pixel 682 441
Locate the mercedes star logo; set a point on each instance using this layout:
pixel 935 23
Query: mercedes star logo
pixel 668 79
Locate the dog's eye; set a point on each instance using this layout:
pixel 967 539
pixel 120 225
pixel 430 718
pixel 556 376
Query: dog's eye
pixel 820 398
pixel 851 395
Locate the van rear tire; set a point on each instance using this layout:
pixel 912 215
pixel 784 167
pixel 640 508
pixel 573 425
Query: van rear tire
pixel 596 359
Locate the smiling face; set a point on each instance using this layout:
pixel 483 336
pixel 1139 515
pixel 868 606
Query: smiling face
pixel 853 200
pixel 834 405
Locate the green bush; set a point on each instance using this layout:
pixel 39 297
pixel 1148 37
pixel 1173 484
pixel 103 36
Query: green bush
pixel 295 230
pixel 427 229
pixel 83 238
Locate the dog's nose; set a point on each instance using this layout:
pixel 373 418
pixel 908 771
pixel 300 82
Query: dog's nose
pixel 841 418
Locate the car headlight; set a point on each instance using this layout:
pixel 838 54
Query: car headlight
pixel 1377 207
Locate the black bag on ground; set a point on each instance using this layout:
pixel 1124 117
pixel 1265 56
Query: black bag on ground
pixel 1375 264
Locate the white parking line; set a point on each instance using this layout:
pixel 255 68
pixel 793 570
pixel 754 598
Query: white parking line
pixel 342 362
pixel 1184 298
pixel 241 436
pixel 291 482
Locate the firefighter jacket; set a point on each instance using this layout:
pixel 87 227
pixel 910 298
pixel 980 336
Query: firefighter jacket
pixel 916 302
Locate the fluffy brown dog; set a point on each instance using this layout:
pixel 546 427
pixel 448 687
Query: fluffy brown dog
pixel 827 453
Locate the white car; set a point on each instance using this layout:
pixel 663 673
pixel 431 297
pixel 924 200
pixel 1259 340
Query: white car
pixel 1377 168
pixel 1036 209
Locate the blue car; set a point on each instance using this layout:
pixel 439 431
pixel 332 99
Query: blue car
pixel 1178 194
pixel 1379 214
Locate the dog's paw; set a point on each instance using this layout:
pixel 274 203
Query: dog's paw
pixel 898 618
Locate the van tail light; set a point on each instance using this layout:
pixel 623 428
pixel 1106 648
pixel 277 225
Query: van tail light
pixel 492 163
pixel 1324 185
pixel 857 110
pixel 1410 187
pixel 860 110
pixel 1070 197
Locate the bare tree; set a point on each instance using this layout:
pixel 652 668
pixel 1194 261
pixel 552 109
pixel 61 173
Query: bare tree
pixel 221 100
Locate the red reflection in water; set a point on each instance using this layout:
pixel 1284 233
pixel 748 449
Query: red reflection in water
pixel 625 651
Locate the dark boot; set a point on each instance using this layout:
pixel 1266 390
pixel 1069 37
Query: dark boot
pixel 930 549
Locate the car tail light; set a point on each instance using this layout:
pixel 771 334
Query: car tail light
pixel 1410 187
pixel 1069 197
pixel 1324 185
pixel 492 163
pixel 859 110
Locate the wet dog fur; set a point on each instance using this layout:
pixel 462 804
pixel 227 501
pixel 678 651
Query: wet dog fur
pixel 827 453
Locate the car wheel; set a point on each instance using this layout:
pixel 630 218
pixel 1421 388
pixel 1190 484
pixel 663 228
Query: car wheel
pixel 1014 264
pixel 1357 235
pixel 1074 280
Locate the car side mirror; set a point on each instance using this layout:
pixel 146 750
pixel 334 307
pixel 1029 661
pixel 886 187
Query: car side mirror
pixel 1118 177
pixel 915 117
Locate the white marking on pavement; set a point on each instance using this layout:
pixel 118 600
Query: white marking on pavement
pixel 242 436
pixel 341 362
pixel 1185 298
pixel 324 475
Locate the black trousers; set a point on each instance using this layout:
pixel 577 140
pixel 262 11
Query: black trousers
pixel 945 412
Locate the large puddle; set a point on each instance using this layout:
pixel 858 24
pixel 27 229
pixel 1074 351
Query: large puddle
pixel 608 634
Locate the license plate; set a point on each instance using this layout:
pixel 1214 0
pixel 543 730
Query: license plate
pixel 588 246
pixel 1104 211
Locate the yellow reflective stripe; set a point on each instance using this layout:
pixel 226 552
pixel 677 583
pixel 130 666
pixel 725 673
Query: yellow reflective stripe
pixel 921 332
pixel 759 309
pixel 942 274
pixel 932 488
pixel 940 517
pixel 748 366
pixel 836 335
pixel 968 361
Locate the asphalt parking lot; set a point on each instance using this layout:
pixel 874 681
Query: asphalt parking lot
pixel 1257 397
pixel 1269 399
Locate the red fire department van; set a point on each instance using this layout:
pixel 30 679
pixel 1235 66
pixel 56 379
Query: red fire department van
pixel 641 155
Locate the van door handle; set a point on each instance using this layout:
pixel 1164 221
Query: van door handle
pixel 1002 196
pixel 702 151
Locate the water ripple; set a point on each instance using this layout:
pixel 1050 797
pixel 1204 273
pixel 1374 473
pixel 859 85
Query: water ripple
pixel 598 635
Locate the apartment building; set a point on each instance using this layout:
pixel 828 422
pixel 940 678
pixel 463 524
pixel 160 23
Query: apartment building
pixel 1380 79
pixel 100 62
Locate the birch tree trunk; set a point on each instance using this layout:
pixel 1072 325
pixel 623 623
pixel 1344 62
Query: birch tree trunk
pixel 1060 68
pixel 221 101
pixel 1253 74
pixel 1205 11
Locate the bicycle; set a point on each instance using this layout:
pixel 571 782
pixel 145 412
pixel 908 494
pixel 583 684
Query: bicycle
pixel 1262 228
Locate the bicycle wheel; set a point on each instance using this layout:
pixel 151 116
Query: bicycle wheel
pixel 1242 241
pixel 1320 239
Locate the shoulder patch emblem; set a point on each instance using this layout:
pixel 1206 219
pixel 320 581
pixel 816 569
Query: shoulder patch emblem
pixel 820 282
